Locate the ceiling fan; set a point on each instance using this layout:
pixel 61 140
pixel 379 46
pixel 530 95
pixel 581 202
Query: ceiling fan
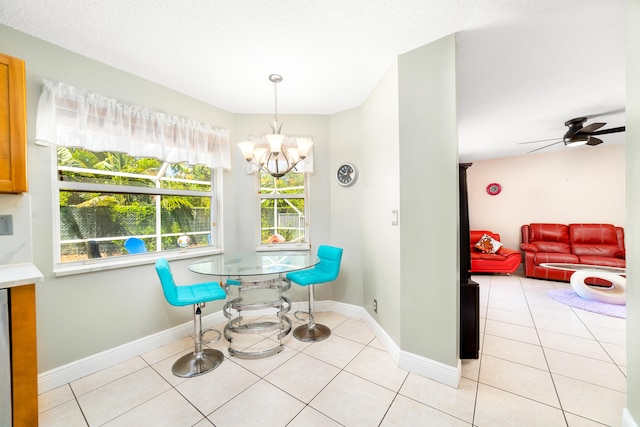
pixel 579 134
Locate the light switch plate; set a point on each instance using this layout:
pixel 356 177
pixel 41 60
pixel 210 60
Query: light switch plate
pixel 6 225
pixel 394 217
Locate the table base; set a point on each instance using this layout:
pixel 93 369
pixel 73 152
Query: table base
pixel 236 325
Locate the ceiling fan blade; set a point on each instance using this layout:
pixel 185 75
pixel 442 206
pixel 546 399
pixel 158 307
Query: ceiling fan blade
pixel 594 141
pixel 592 127
pixel 539 140
pixel 541 148
pixel 612 130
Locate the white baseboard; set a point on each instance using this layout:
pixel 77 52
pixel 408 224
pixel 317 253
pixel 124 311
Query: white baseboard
pixel 627 419
pixel 73 371
pixel 89 365
pixel 432 369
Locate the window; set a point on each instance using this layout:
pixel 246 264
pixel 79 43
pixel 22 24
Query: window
pixel 283 211
pixel 107 198
pixel 128 179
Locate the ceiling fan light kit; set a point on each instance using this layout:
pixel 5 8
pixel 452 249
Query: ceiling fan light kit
pixel 578 134
pixel 576 141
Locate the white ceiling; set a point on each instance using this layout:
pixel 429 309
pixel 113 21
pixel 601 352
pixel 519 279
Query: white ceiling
pixel 524 67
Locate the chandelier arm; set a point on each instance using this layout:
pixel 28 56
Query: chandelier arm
pixel 259 166
pixel 276 173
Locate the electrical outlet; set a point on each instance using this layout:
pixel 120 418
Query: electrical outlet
pixel 375 305
pixel 6 225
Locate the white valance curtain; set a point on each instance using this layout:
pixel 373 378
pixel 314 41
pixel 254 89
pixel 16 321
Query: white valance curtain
pixel 73 117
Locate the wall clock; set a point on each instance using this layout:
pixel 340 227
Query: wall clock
pixel 346 174
pixel 494 189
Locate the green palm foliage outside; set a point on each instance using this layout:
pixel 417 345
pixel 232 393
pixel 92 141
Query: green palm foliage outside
pixel 87 215
pixel 282 216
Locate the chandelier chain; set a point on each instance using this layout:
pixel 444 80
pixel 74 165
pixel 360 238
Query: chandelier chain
pixel 275 96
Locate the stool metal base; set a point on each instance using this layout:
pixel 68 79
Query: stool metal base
pixel 194 364
pixel 310 334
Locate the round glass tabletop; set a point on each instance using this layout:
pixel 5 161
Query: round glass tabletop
pixel 254 263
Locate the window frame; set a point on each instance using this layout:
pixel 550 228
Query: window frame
pixel 109 263
pixel 301 246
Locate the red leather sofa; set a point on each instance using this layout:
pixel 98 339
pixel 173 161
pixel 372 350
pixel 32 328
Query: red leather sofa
pixel 505 260
pixel 594 244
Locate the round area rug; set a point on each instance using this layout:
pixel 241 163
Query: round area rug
pixel 570 298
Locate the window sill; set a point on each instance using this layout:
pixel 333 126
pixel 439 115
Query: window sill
pixel 284 247
pixel 102 264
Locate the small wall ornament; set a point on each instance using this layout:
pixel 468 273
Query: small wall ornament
pixel 494 189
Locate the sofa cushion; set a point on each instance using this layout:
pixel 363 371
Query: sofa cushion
pixel 548 232
pixel 488 244
pixel 559 247
pixel 606 261
pixel 582 249
pixel 486 257
pixel 597 234
pixel 555 257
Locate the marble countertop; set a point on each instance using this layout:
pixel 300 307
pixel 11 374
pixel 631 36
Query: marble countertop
pixel 19 274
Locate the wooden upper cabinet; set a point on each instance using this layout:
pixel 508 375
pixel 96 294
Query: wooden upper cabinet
pixel 13 126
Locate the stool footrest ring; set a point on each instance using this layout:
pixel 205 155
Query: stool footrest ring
pixel 306 313
pixel 212 340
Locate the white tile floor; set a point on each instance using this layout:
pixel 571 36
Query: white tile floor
pixel 542 364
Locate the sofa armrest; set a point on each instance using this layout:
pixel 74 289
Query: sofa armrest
pixel 621 254
pixel 528 247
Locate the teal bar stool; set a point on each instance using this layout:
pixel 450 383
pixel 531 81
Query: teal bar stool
pixel 325 271
pixel 201 360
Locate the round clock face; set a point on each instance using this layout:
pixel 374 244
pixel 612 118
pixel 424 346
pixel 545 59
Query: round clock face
pixel 346 174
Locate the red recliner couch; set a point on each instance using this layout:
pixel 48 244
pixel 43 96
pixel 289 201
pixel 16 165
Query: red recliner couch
pixel 505 260
pixel 593 244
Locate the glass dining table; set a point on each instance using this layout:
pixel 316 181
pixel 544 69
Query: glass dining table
pixel 255 282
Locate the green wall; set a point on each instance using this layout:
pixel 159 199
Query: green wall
pixel 429 201
pixel 85 314
pixel 380 195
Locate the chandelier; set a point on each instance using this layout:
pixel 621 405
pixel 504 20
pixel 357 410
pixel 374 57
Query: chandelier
pixel 278 155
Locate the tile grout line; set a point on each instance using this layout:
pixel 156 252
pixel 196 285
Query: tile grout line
pixel 544 353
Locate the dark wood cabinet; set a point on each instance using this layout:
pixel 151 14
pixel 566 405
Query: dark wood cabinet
pixel 469 290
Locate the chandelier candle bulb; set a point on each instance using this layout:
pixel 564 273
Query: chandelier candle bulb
pixel 247 149
pixel 260 155
pixel 304 145
pixel 275 142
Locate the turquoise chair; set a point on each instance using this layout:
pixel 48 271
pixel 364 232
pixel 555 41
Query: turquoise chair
pixel 134 245
pixel 325 271
pixel 201 360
